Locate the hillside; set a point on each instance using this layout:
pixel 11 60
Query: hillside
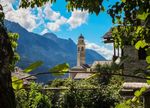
pixel 48 48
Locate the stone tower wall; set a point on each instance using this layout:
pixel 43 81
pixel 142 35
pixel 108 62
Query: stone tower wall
pixel 80 52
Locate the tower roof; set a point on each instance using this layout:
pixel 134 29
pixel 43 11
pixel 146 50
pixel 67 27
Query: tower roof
pixel 81 36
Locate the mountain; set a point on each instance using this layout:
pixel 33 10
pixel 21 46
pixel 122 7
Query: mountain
pixel 48 48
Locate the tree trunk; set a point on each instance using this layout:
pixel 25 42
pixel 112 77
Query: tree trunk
pixel 7 97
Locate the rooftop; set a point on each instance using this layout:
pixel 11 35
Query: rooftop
pixel 82 75
pixel 108 62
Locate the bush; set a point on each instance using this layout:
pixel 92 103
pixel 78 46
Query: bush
pixel 32 98
pixel 80 94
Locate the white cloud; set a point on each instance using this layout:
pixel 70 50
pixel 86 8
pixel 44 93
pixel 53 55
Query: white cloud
pixel 50 14
pixel 77 18
pixel 55 26
pixel 46 16
pixel 22 16
pixel 104 51
pixel 9 1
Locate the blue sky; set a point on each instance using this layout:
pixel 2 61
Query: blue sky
pixel 55 18
pixel 93 29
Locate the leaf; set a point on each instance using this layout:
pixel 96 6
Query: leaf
pixel 143 89
pixel 139 28
pixel 148 51
pixel 148 81
pixel 123 1
pixel 102 8
pixel 148 59
pixel 60 69
pixel 143 16
pixel 16 83
pixel 134 99
pixel 128 101
pixel 137 93
pixel 148 67
pixel 122 105
pixel 141 44
pixel 33 66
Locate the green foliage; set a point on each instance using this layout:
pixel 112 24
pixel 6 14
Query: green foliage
pixel 33 66
pixel 122 105
pixel 137 93
pixel 133 29
pixel 82 94
pixel 135 101
pixel 105 71
pixel 32 98
pixel 60 69
pixel 148 59
pixel 85 93
pixel 148 51
pixel 16 83
pixel 92 7
pixel 13 37
pixel 61 83
pixel 148 81
pixel 140 44
pixel 143 16
pixel 123 1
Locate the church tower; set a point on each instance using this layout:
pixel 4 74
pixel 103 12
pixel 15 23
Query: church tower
pixel 80 51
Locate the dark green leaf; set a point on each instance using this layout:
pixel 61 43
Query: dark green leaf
pixel 148 51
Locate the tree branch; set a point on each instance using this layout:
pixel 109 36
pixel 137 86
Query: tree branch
pixel 123 75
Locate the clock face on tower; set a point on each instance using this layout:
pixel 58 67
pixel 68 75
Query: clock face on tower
pixel 80 51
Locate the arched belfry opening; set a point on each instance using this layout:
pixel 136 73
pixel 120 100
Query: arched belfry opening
pixel 81 51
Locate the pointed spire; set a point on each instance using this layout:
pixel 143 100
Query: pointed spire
pixel 81 36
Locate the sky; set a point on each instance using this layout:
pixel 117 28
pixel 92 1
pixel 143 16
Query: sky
pixel 56 19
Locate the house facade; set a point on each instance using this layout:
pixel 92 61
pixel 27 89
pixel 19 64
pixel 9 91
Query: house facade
pixel 134 65
pixel 134 62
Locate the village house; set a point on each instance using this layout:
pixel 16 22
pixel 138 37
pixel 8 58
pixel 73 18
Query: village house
pixel 134 64
pixel 18 72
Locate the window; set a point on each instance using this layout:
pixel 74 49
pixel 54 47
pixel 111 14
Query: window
pixel 142 54
pixel 78 48
pixel 82 49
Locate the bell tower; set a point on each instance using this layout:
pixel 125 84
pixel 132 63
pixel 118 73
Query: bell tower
pixel 80 51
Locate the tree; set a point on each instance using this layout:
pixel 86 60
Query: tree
pixel 7 99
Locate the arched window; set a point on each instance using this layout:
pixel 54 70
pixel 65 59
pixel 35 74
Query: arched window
pixel 78 48
pixel 82 49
